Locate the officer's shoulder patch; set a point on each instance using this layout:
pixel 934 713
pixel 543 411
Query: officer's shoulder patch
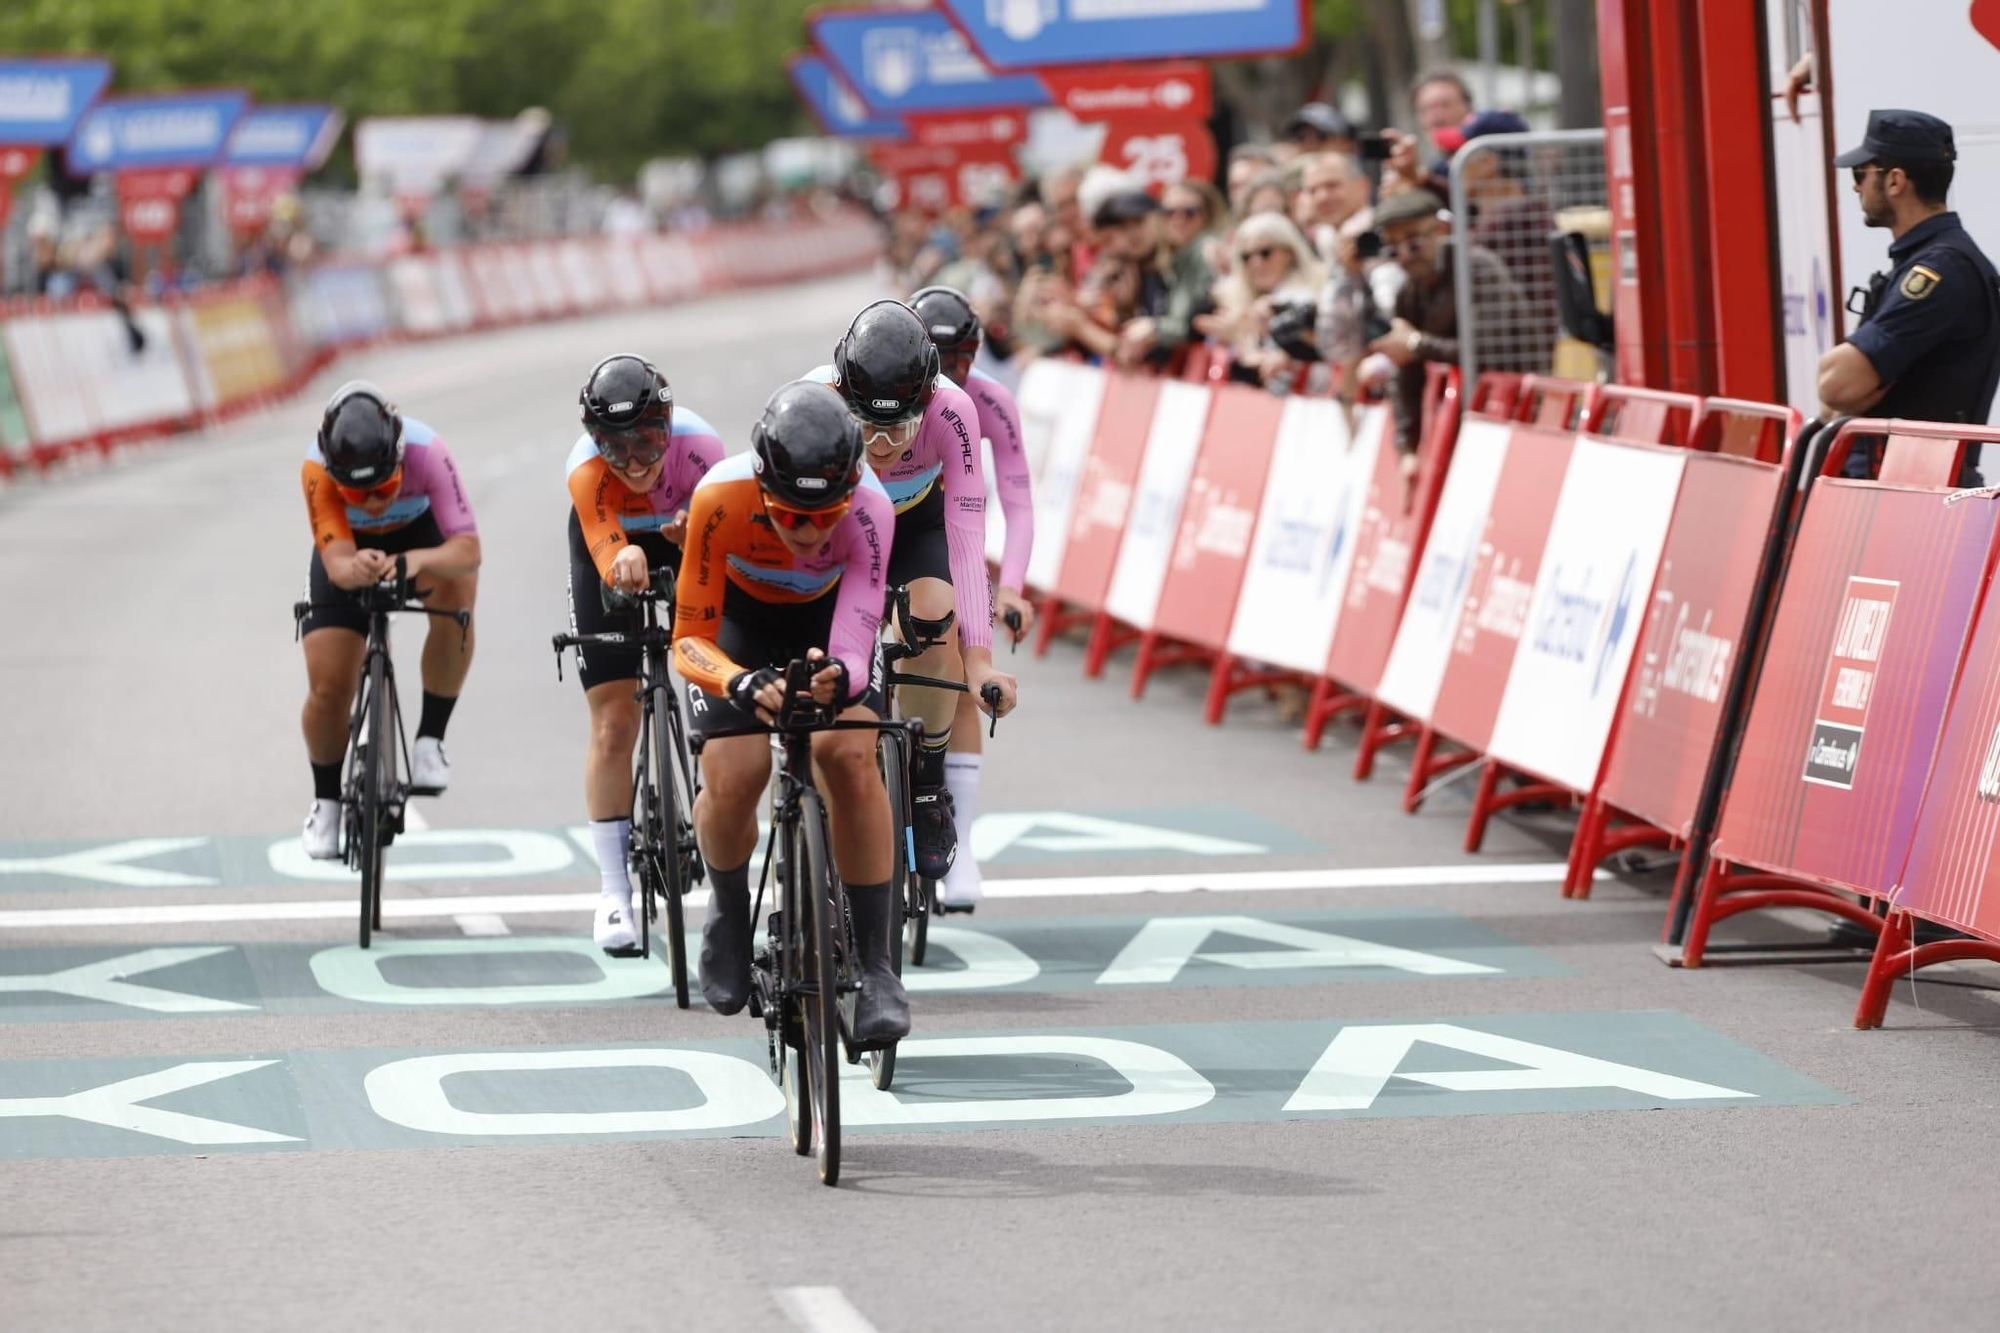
pixel 1919 282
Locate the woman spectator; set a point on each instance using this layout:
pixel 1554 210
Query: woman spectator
pixel 1274 268
pixel 1267 194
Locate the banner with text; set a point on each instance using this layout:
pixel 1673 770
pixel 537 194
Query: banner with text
pixel 1025 34
pixel 902 60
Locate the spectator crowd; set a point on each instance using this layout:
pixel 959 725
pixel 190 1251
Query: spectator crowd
pixel 1328 266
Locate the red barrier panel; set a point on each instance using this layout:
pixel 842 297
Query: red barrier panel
pixel 1387 547
pixel 1212 543
pixel 1556 718
pixel 1952 876
pixel 1872 624
pixel 1103 501
pixel 1696 637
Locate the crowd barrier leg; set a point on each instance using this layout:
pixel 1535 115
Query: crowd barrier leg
pixel 1426 766
pixel 1157 652
pixel 1897 955
pixel 1597 840
pixel 1328 702
pixel 1107 636
pixel 1490 800
pixel 1229 677
pixel 1379 728
pixel 1052 620
pixel 1725 893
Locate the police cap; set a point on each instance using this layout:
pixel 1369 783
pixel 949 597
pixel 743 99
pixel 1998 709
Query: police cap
pixel 1901 136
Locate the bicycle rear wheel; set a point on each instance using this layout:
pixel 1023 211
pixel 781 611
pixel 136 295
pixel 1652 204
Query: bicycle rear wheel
pixel 666 824
pixel 378 780
pixel 822 1011
pixel 789 934
pixel 902 884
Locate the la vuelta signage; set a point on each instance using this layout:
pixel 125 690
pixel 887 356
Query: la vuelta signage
pixel 1025 34
pixel 903 60
pixel 833 104
pixel 172 130
pixel 41 101
pixel 296 137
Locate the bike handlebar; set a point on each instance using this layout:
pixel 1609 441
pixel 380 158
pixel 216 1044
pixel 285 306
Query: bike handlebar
pixel 659 588
pixel 1012 620
pixel 395 594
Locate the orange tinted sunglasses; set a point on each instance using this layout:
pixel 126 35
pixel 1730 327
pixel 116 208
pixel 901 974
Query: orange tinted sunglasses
pixel 791 520
pixel 383 490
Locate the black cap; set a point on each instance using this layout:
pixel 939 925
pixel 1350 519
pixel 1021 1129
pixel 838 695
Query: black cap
pixel 1125 206
pixel 1901 136
pixel 1407 206
pixel 1320 117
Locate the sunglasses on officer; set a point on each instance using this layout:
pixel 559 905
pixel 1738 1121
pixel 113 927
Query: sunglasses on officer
pixel 793 519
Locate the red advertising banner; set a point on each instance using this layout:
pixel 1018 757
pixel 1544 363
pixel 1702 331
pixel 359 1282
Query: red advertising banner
pixel 1502 584
pixel 968 129
pixel 1871 626
pixel 1384 558
pixel 1691 640
pixel 250 193
pixel 1159 153
pixel 149 202
pixel 1178 90
pixel 1219 517
pixel 1952 875
pixel 1104 490
pixel 937 177
pixel 14 164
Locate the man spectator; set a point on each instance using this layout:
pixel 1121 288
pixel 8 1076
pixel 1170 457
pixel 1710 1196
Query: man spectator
pixel 1928 345
pixel 1443 101
pixel 1426 323
pixel 1248 164
pixel 1128 230
pixel 1189 210
pixel 1512 219
pixel 1318 128
pixel 1443 105
pixel 1333 200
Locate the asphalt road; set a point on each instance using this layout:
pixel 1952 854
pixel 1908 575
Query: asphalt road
pixel 1396 1087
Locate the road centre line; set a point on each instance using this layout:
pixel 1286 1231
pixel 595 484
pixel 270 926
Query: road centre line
pixel 821 1310
pixel 520 904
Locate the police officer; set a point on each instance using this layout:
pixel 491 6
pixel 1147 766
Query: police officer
pixel 1928 345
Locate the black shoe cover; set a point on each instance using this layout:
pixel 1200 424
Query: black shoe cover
pixel 882 1013
pixel 725 952
pixel 933 821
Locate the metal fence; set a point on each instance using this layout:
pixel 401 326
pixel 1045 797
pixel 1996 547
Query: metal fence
pixel 1510 193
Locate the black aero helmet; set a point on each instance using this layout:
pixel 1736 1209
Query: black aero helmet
pixel 953 326
pixel 807 447
pixel 887 366
pixel 627 407
pixel 360 436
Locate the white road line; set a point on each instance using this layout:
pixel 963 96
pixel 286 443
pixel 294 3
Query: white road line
pixel 482 923
pixel 821 1310
pixel 416 906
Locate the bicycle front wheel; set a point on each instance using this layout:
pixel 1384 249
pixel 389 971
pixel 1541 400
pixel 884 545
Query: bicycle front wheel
pixel 669 792
pixel 822 1009
pixel 378 782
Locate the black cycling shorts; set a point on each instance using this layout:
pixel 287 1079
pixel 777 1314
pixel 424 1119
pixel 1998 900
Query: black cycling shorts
pixel 918 550
pixel 598 663
pixel 756 634
pixel 419 534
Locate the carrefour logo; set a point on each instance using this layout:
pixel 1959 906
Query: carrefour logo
pixel 1174 94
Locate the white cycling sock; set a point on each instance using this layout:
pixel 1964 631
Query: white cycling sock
pixel 613 839
pixel 961 779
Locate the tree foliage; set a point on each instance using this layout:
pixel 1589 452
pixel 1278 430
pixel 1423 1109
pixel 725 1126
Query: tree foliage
pixel 629 79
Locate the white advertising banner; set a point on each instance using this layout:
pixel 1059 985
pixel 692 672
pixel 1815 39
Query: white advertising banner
pixel 51 397
pixel 1179 419
pixel 413 278
pixel 1437 597
pixel 1590 600
pixel 1296 581
pixel 1058 420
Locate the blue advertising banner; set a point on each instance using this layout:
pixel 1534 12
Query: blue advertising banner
pixel 42 100
pixel 834 105
pixel 902 60
pixel 169 130
pixel 283 136
pixel 1023 34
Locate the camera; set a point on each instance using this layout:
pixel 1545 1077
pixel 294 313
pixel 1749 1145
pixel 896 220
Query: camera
pixel 1375 147
pixel 1292 329
pixel 1368 245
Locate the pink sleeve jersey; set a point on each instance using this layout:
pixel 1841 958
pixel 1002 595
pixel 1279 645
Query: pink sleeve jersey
pixel 1000 423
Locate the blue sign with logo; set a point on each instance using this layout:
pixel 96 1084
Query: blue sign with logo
pixel 834 105
pixel 42 100
pixel 283 136
pixel 1021 34
pixel 170 130
pixel 903 60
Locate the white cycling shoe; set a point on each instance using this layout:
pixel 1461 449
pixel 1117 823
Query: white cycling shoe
pixel 430 771
pixel 613 930
pixel 960 889
pixel 322 831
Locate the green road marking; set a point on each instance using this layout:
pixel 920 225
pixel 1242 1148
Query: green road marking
pixel 1211 1073
pixel 72 983
pixel 445 855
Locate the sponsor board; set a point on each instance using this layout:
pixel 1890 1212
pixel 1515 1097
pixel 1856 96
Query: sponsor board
pixel 1059 410
pixel 1218 518
pixel 834 105
pixel 902 60
pixel 1833 750
pixel 1590 596
pixel 1173 442
pixel 1025 34
pixel 1104 490
pixel 343 1100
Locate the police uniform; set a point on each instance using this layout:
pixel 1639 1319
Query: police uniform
pixel 1930 326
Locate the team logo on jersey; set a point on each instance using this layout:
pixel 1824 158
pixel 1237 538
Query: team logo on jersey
pixel 1920 282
